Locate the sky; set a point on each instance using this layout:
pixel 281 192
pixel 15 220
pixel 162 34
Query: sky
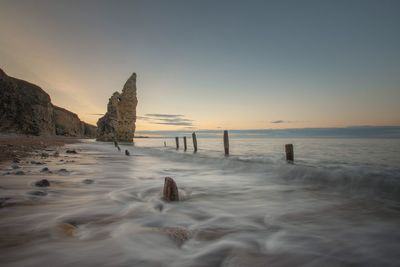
pixel 212 64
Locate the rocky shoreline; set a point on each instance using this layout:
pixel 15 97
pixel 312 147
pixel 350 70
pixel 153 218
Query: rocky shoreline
pixel 14 147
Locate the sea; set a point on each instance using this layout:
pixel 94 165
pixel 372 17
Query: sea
pixel 336 204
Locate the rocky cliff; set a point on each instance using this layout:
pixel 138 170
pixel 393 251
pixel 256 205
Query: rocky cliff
pixel 25 108
pixel 68 123
pixel 119 121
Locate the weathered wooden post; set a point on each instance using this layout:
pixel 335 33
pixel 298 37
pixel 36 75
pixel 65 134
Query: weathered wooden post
pixel 184 143
pixel 194 141
pixel 289 152
pixel 119 149
pixel 165 144
pixel 177 142
pixel 226 143
pixel 170 192
pixel 127 152
pixel 115 143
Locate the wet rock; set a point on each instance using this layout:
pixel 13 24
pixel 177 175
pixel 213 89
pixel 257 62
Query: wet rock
pixel 179 235
pixel 16 160
pixel 56 154
pixel 63 171
pixel 42 183
pixel 127 153
pixel 45 169
pixel 88 181
pixel 3 201
pixel 170 192
pixel 71 151
pixel 44 155
pixel 36 162
pixel 15 166
pixel 67 229
pixel 19 173
pixel 37 193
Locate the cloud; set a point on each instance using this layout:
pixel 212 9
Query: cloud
pixel 164 115
pixel 281 121
pixel 167 119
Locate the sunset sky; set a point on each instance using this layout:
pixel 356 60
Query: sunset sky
pixel 212 64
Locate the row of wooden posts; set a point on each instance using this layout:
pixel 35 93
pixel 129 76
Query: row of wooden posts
pixel 288 147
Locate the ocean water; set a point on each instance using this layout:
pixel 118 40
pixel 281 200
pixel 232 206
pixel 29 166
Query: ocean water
pixel 337 205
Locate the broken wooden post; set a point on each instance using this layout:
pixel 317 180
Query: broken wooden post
pixel 127 152
pixel 177 142
pixel 184 143
pixel 289 152
pixel 194 141
pixel 226 143
pixel 170 192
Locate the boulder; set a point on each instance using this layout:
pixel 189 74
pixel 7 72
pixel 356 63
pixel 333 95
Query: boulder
pixel 118 124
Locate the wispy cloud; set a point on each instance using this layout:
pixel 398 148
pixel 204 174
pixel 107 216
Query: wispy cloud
pixel 167 119
pixel 281 121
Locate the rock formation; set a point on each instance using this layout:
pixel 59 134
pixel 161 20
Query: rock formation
pixel 69 124
pixel 26 108
pixel 118 124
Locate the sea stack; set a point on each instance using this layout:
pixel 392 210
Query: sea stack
pixel 118 124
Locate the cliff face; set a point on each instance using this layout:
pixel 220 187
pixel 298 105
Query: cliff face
pixel 68 123
pixel 119 121
pixel 26 109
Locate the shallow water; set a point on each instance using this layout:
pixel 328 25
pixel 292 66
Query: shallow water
pixel 338 205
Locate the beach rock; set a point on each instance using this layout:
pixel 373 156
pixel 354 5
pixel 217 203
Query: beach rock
pixel 118 124
pixel 56 154
pixel 88 181
pixel 15 166
pixel 72 151
pixel 36 162
pixel 16 160
pixel 37 193
pixel 170 192
pixel 63 171
pixel 45 169
pixel 42 183
pixel 127 153
pixel 67 229
pixel 20 173
pixel 44 155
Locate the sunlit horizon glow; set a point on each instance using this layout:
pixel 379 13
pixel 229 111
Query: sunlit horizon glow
pixel 220 65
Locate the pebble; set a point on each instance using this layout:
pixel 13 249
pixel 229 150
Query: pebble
pixel 72 151
pixel 88 181
pixel 42 183
pixel 45 169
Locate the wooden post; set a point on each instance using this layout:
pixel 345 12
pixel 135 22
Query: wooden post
pixel 165 144
pixel 184 143
pixel 119 149
pixel 226 143
pixel 289 152
pixel 127 152
pixel 177 142
pixel 115 143
pixel 170 191
pixel 194 141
